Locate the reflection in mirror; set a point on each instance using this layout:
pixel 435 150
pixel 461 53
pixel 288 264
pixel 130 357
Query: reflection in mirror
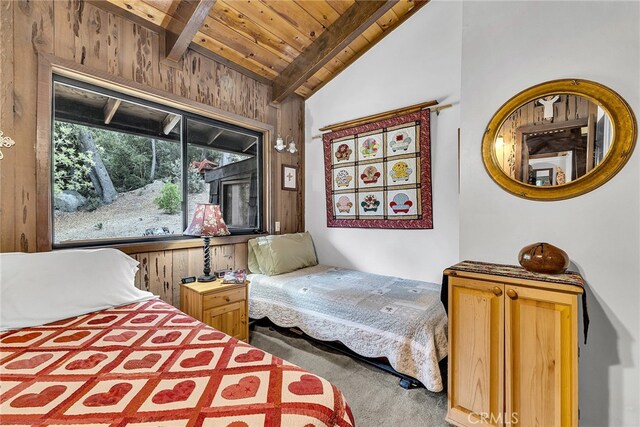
pixel 553 140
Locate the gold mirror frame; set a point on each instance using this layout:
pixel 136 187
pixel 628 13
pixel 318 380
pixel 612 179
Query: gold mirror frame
pixel 623 141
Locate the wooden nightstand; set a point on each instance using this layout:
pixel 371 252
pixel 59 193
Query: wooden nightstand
pixel 221 306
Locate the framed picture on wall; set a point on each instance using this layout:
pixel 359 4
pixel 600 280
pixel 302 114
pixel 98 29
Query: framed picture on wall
pixel 289 178
pixel 543 176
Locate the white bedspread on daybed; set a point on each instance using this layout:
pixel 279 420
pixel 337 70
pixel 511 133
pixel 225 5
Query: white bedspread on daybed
pixel 375 316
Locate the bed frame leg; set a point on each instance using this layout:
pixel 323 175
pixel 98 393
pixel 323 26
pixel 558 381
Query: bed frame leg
pixel 405 383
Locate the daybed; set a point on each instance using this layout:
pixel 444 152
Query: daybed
pixel 144 363
pixel 374 316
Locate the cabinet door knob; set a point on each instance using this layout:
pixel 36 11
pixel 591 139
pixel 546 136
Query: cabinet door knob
pixel 497 291
pixel 512 294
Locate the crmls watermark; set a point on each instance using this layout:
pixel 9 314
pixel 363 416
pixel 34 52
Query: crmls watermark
pixel 492 419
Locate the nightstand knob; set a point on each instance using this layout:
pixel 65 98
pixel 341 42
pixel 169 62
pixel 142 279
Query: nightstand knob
pixel 497 291
pixel 512 294
pixel 227 299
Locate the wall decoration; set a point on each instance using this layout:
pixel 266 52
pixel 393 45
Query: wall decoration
pixel 5 142
pixel 559 139
pixel 370 175
pixel 400 172
pixel 289 178
pixel 343 152
pixel 370 203
pixel 401 203
pixel 378 174
pixel 344 204
pixel 343 178
pixel 370 147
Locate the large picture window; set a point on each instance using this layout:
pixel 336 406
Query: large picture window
pixel 125 169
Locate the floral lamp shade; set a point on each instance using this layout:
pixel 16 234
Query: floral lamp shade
pixel 207 222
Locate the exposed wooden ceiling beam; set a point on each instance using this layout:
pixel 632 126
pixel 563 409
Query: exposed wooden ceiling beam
pixel 169 123
pixel 191 16
pixel 110 108
pixel 131 16
pixel 339 35
pixel 417 5
pixel 126 13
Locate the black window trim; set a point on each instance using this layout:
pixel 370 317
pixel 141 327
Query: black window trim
pixel 57 78
pixel 259 159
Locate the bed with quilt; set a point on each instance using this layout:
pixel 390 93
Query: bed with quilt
pixel 144 363
pixel 373 315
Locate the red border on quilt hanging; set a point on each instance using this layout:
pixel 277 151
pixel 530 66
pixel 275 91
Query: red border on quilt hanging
pixel 425 217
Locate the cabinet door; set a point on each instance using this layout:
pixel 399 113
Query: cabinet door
pixel 230 319
pixel 476 351
pixel 541 357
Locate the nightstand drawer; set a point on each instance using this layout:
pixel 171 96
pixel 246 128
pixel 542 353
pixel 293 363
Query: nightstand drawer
pixel 222 298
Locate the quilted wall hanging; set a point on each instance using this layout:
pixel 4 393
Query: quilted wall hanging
pixel 378 174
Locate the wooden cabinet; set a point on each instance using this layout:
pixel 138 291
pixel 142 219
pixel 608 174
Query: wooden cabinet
pixel 513 348
pixel 221 306
pixel 476 349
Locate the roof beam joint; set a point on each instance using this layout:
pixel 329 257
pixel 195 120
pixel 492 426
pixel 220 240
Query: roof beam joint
pixel 188 18
pixel 351 24
pixel 110 108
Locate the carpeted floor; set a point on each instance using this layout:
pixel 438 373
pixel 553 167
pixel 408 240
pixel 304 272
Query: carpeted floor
pixel 375 397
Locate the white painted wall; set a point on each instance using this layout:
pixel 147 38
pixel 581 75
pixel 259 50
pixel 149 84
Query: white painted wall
pixel 419 61
pixel 507 47
pixel 483 53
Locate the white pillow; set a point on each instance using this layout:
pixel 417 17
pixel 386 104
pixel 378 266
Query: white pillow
pixel 39 288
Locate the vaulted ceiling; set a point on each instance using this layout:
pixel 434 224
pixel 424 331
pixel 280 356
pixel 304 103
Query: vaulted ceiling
pixel 294 45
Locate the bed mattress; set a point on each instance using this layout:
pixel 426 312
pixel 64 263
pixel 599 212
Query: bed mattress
pixel 373 315
pixel 148 364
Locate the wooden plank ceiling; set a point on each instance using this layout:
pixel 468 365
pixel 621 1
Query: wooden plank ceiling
pixel 295 45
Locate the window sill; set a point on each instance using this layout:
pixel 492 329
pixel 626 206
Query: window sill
pixel 170 245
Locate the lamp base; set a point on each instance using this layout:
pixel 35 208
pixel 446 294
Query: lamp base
pixel 206 278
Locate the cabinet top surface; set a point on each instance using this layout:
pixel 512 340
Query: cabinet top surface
pixel 215 286
pixel 568 278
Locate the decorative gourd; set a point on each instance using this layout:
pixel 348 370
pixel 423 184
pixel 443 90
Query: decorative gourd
pixel 543 258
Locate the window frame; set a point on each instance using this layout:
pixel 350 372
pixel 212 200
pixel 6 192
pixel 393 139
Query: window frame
pixel 260 173
pixel 228 183
pixel 184 142
pixel 48 65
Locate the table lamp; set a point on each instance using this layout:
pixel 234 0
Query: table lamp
pixel 207 222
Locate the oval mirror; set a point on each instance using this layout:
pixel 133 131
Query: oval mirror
pixel 559 139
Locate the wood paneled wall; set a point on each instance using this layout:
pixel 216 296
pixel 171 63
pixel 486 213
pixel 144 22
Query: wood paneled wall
pixel 161 271
pixel 84 33
pixel 290 204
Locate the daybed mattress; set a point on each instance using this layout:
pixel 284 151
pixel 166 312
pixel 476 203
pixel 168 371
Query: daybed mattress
pixel 148 364
pixel 375 316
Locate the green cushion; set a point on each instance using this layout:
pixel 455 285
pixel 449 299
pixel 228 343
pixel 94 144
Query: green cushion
pixel 283 254
pixel 252 261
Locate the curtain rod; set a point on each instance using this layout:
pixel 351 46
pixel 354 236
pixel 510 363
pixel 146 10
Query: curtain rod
pixel 380 116
pixel 433 110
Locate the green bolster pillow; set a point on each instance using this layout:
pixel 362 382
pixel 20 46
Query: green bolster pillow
pixel 273 255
